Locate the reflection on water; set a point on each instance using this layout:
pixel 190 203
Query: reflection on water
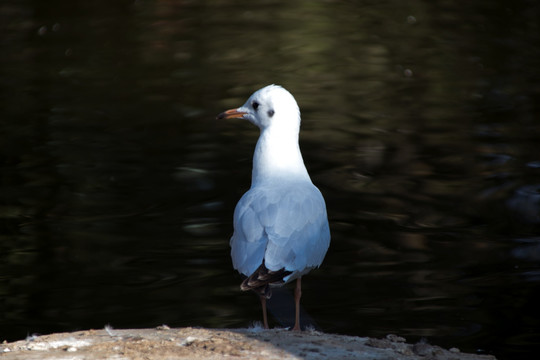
pixel 419 126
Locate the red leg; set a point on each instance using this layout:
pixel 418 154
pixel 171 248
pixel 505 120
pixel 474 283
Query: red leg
pixel 265 318
pixel 297 296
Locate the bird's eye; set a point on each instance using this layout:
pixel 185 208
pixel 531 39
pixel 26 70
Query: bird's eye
pixel 270 112
pixel 255 105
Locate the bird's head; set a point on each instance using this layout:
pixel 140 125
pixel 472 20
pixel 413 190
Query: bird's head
pixel 270 106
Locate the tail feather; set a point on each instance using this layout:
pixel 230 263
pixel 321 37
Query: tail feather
pixel 262 278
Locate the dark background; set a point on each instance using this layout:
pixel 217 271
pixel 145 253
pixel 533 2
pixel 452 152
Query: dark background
pixel 420 126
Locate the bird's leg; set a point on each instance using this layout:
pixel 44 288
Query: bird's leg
pixel 297 296
pixel 265 318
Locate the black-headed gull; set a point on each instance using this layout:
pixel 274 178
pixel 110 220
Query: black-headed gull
pixel 280 225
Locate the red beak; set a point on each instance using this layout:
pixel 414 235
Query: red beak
pixel 230 114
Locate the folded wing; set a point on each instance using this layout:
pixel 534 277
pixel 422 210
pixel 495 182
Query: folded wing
pixel 286 226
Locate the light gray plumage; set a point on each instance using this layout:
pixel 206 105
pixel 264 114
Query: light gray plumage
pixel 285 224
pixel 280 224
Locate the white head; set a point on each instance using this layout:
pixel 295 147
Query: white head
pixel 271 106
pixel 277 154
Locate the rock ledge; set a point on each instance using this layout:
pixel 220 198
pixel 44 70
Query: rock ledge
pixel 198 343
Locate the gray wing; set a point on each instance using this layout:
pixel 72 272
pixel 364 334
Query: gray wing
pixel 286 226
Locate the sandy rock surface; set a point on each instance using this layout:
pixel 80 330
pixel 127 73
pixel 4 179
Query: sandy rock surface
pixel 199 343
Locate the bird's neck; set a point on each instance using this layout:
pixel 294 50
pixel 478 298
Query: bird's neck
pixel 277 157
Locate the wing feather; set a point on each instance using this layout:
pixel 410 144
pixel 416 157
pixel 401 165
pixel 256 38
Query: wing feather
pixel 284 226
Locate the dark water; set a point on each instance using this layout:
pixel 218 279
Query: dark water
pixel 420 126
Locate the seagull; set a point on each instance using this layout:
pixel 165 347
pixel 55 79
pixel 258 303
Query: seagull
pixel 281 227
